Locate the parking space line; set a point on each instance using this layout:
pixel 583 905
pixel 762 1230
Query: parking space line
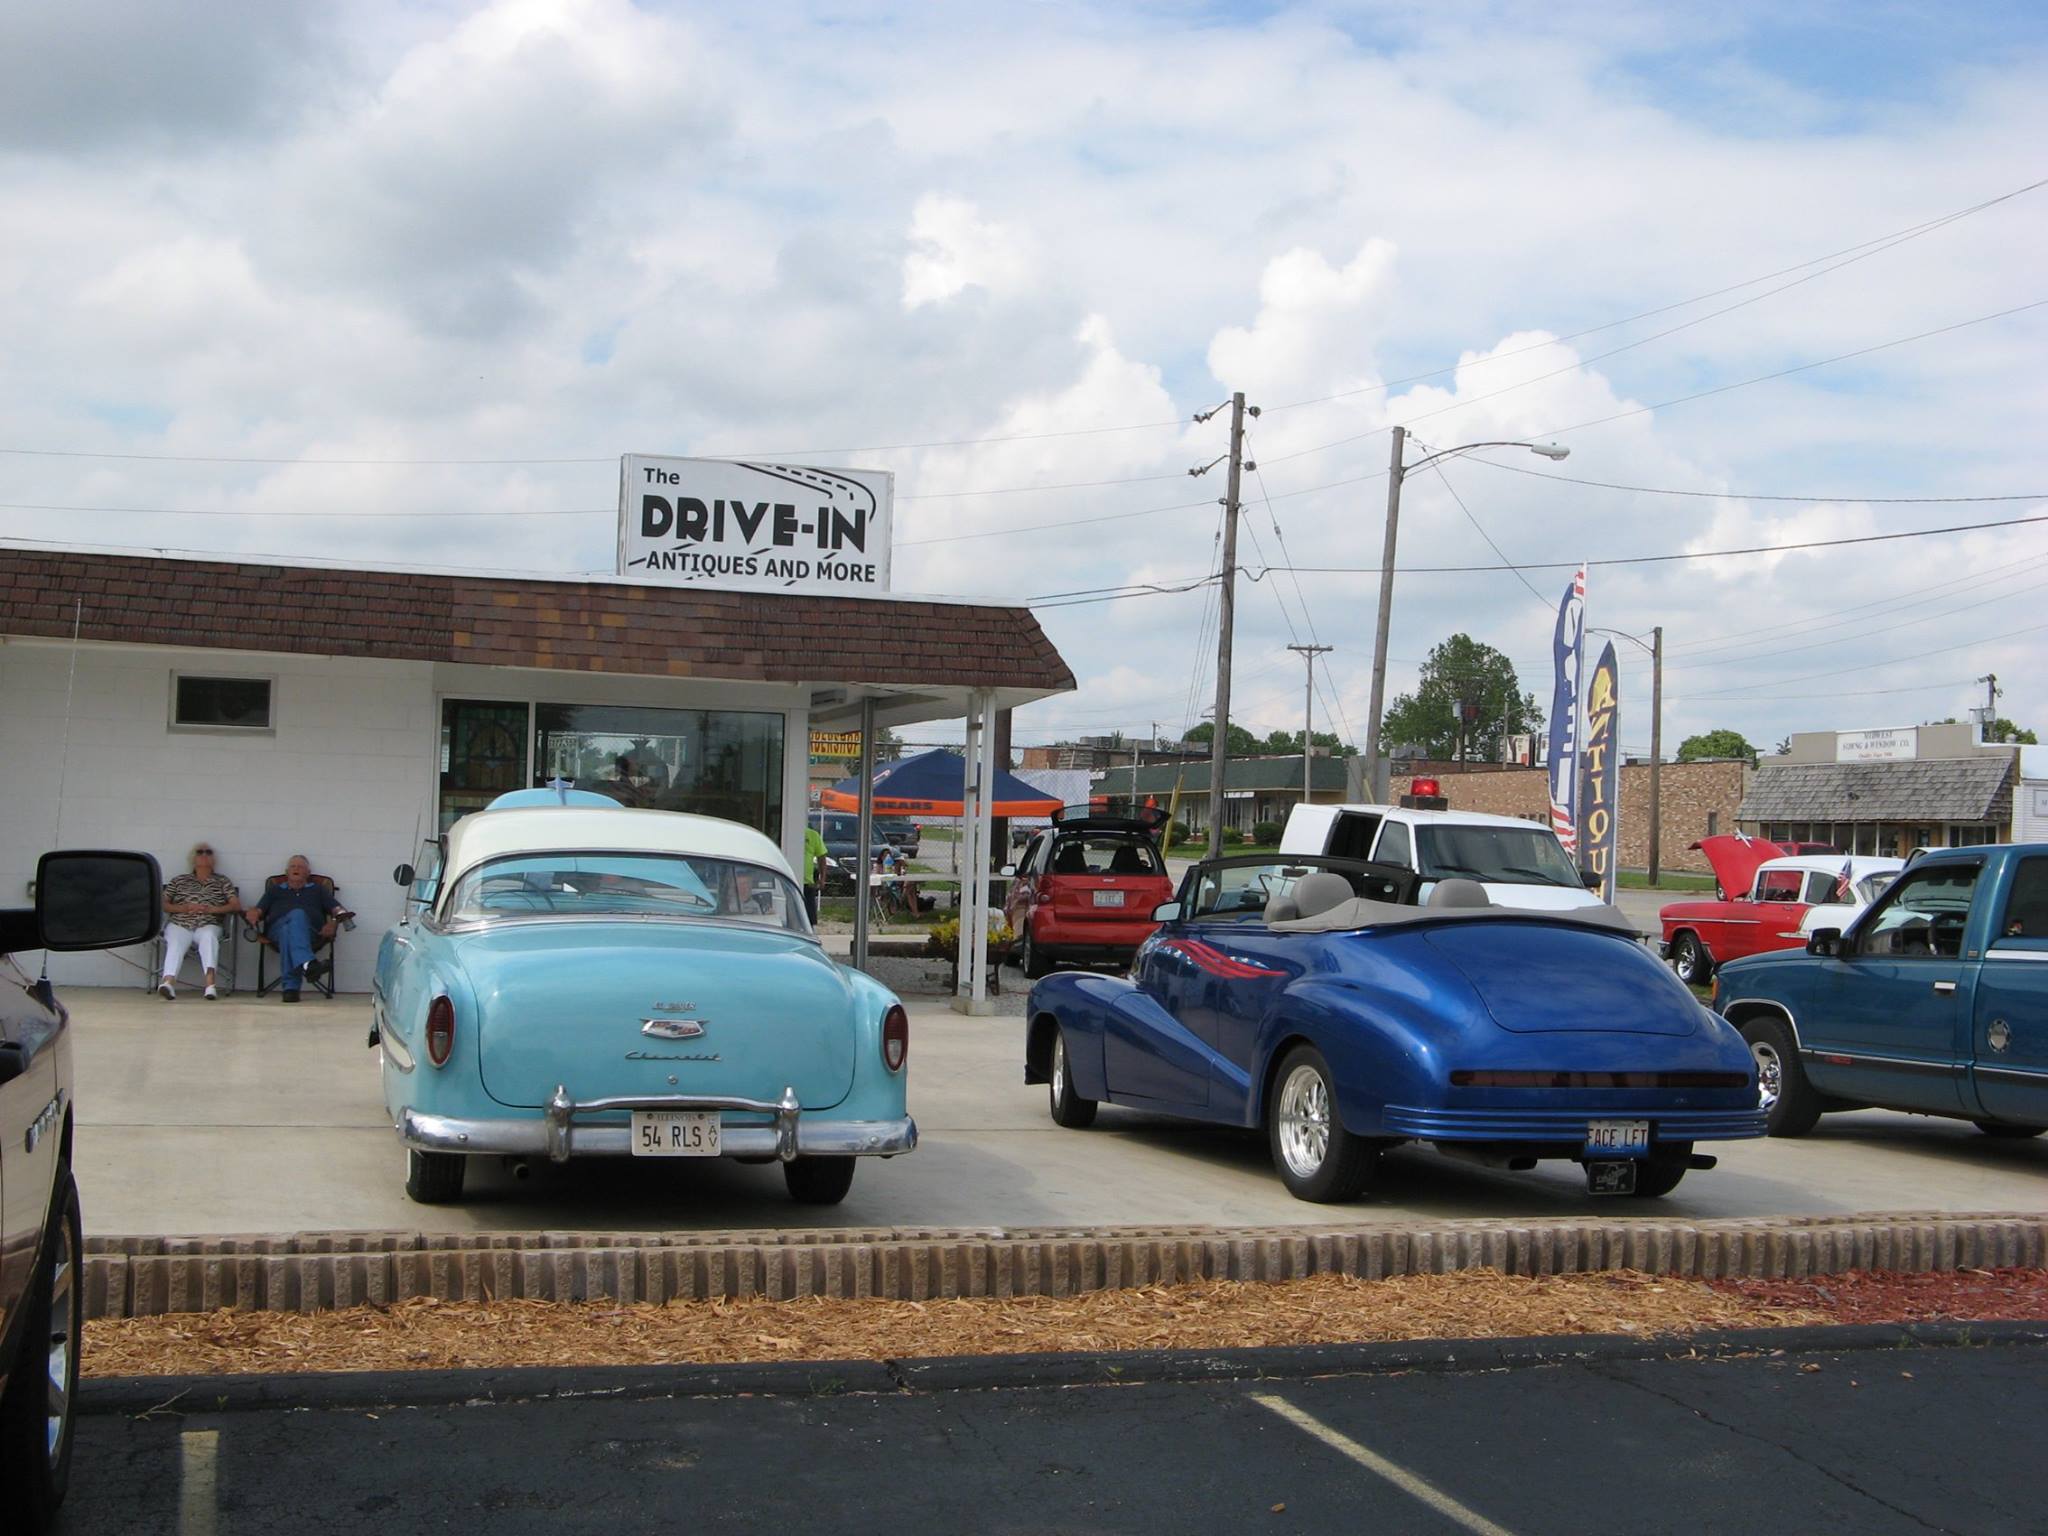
pixel 198 1495
pixel 1379 1466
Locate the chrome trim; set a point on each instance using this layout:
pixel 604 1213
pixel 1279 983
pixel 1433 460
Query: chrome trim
pixel 808 1136
pixel 448 929
pixel 1945 988
pixel 2014 1074
pixel 671 1029
pixel 1765 1002
pixel 2036 956
pixel 1881 1063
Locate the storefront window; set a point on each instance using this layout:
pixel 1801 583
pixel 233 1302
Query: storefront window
pixel 713 762
pixel 483 754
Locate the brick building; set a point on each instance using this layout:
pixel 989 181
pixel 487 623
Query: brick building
pixel 1699 799
pixel 343 712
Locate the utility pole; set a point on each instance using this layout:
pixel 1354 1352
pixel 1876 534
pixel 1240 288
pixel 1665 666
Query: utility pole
pixel 1226 614
pixel 1386 617
pixel 1656 750
pixel 1990 682
pixel 1309 653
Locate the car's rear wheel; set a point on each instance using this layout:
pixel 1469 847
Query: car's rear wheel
pixel 2005 1132
pixel 1690 959
pixel 434 1178
pixel 1790 1105
pixel 818 1180
pixel 1317 1158
pixel 42 1385
pixel 1068 1107
pixel 1659 1175
pixel 1030 958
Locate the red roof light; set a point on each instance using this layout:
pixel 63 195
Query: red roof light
pixel 1425 787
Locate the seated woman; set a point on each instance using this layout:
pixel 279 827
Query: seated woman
pixel 195 904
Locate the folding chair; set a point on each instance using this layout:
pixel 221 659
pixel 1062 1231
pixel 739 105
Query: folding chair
pixel 224 968
pixel 323 949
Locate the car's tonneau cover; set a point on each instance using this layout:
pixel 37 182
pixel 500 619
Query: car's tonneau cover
pixel 1359 912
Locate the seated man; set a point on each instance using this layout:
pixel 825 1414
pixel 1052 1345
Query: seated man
pixel 294 914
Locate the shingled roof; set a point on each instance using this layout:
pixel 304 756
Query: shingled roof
pixel 1941 789
pixel 573 626
pixel 1239 773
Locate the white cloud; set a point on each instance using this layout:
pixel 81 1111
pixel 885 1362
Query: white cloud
pixel 953 248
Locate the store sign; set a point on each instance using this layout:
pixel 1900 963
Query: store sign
pixel 1877 746
pixel 754 527
pixel 835 744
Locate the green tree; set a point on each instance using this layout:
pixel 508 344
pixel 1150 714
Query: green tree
pixel 1721 743
pixel 1462 671
pixel 2002 729
pixel 1240 742
pixel 1280 743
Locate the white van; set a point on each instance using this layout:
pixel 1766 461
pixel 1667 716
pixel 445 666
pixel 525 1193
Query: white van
pixel 1521 863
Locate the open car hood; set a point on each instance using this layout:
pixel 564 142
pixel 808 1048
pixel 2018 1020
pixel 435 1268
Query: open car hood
pixel 1735 859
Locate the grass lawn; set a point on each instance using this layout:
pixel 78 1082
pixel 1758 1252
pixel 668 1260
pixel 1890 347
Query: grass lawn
pixel 1637 880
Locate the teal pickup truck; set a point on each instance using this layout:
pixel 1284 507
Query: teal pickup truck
pixel 1934 1001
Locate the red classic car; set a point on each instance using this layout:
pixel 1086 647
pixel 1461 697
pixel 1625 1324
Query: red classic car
pixel 1764 892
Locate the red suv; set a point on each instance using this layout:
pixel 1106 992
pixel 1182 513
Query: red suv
pixel 1086 888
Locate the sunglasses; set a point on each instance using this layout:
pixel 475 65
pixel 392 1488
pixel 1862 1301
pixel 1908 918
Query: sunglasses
pixel 197 852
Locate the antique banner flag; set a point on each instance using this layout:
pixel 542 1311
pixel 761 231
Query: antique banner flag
pixel 1567 654
pixel 1600 809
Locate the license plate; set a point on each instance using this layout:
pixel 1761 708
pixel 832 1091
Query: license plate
pixel 658 1133
pixel 1611 1178
pixel 1618 1138
pixel 1109 898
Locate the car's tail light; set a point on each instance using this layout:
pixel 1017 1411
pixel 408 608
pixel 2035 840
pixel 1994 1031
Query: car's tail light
pixel 895 1037
pixel 440 1031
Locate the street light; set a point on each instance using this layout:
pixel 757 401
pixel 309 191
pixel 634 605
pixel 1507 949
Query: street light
pixel 1655 646
pixel 1379 646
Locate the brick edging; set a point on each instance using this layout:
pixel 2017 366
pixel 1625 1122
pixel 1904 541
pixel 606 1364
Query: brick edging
pixel 314 1271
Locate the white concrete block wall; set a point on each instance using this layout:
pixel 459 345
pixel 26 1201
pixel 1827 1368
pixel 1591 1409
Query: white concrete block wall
pixel 346 776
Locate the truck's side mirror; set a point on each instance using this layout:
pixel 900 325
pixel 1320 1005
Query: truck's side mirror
pixel 402 875
pixel 1589 878
pixel 1166 912
pixel 98 899
pixel 1009 871
pixel 1824 941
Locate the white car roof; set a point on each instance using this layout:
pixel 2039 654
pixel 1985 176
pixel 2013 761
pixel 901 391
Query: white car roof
pixel 545 829
pixel 1454 818
pixel 1860 864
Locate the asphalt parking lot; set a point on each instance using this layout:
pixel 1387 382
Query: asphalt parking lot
pixel 245 1116
pixel 1874 1441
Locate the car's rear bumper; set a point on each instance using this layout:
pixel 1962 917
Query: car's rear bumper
pixel 1566 1125
pixel 566 1128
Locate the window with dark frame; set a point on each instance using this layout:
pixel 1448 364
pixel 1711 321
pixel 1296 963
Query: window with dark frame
pixel 220 703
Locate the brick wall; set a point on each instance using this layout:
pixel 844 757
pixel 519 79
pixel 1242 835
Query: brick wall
pixel 1691 793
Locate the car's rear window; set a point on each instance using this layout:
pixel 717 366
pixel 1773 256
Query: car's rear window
pixel 1105 854
pixel 653 885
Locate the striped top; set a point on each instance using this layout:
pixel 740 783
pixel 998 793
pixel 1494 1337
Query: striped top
pixel 217 892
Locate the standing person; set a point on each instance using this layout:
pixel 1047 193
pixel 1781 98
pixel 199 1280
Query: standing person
pixel 814 869
pixel 195 904
pixel 293 914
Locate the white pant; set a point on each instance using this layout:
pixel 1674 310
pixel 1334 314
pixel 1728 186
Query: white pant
pixel 178 939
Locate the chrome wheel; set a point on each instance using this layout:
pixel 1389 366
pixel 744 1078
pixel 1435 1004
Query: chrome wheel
pixel 1304 1121
pixel 1770 1073
pixel 63 1330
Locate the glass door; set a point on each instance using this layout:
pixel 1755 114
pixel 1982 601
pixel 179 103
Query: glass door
pixel 483 754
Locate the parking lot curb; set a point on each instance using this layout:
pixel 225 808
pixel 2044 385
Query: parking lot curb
pixel 150 1396
pixel 315 1271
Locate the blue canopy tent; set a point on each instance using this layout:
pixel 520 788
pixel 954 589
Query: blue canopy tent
pixel 931 784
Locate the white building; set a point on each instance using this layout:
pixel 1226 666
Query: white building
pixel 346 713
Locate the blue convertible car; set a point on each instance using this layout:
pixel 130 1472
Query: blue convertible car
pixel 575 979
pixel 1312 999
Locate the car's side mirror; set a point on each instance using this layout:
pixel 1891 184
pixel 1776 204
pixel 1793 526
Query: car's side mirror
pixel 1009 871
pixel 403 875
pixel 98 899
pixel 13 1060
pixel 1824 941
pixel 1166 912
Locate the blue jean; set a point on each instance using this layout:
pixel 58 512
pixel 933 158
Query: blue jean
pixel 292 933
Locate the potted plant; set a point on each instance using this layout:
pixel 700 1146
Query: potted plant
pixel 943 942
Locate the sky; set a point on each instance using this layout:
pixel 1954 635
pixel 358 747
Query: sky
pixel 400 282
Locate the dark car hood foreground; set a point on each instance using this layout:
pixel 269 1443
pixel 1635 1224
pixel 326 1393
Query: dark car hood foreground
pixel 1535 977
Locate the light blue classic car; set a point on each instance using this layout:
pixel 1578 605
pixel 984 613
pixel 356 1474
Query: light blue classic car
pixel 572 978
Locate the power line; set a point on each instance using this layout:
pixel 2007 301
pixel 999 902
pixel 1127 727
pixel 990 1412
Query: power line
pixel 266 512
pixel 1542 602
pixel 1703 554
pixel 1889 661
pixel 1664 490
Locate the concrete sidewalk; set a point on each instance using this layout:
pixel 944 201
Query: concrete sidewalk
pixel 248 1116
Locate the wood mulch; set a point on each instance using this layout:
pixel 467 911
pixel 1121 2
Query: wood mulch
pixel 1219 1314
pixel 1878 1296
